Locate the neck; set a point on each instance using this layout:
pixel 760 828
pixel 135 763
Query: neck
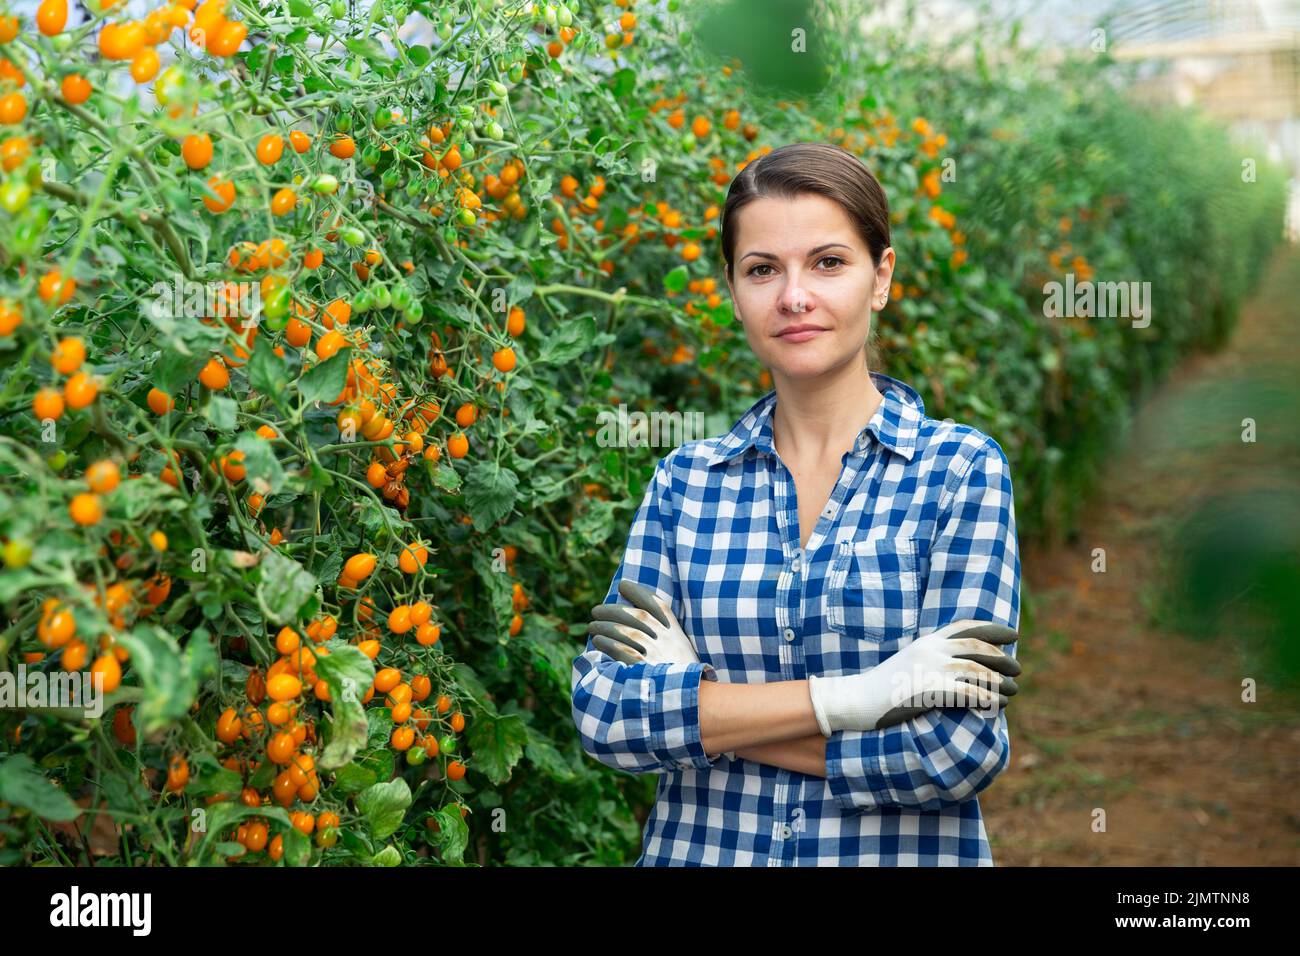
pixel 816 419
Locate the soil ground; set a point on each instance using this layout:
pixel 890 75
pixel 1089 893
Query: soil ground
pixel 1123 714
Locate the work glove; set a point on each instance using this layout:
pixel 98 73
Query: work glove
pixel 958 665
pixel 646 633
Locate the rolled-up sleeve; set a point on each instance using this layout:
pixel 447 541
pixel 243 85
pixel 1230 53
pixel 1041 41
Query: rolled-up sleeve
pixel 643 718
pixel 950 754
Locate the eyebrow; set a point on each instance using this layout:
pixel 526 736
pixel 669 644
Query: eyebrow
pixel 811 252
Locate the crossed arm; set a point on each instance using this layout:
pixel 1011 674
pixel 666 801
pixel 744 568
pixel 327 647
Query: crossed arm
pixel 766 723
pixel 663 717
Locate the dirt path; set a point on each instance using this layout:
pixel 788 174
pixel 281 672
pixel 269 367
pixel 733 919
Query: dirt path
pixel 1108 718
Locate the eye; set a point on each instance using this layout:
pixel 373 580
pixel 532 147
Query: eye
pixel 753 269
pixel 835 258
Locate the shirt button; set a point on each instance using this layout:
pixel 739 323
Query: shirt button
pixel 830 510
pixel 789 634
pixel 795 565
pixel 785 831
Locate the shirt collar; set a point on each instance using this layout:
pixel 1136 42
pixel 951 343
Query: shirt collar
pixel 895 424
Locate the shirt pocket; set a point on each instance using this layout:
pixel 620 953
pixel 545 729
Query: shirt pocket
pixel 873 590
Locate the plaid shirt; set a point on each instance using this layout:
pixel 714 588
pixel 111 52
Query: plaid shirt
pixel 919 531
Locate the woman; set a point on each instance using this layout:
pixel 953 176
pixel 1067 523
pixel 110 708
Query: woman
pixel 824 559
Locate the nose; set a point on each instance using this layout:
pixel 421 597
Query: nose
pixel 794 297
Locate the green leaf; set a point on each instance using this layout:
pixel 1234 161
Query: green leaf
pixel 497 742
pixel 596 524
pixel 388 856
pixel 208 776
pixel 13 583
pixel 267 372
pixel 174 371
pixel 285 586
pixel 365 769
pixel 222 412
pixel 675 281
pixel 169 677
pixel 498 587
pixel 263 468
pixel 490 493
pixel 367 47
pixel 623 83
pixel 384 807
pixel 297 848
pixel 567 344
pixel 23 785
pixel 543 755
pixel 347 672
pixel 453 834
pixel 326 381
pixel 444 476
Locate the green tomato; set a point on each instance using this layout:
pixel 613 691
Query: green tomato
pixel 564 16
pixel 26 235
pixel 494 130
pixel 17 552
pixel 444 31
pixel 325 183
pixel 343 122
pixel 382 297
pixel 171 84
pixel 447 744
pixel 339 9
pixel 383 117
pixel 465 111
pixel 401 296
pixel 371 156
pixel 498 88
pixel 14 195
pixel 276 307
pixel 550 15
pixel 58 460
pixel 389 179
pixel 414 187
pixel 352 235
pixel 688 142
pixel 362 301
pixel 416 755
pixel 466 217
pixel 413 313
pixel 516 73
pixel 161 156
pixel 466 150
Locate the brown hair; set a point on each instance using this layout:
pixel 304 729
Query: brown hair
pixel 824 169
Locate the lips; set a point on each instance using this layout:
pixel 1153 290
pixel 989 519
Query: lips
pixel 800 333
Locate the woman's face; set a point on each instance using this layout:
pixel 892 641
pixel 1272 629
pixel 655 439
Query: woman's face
pixel 800 263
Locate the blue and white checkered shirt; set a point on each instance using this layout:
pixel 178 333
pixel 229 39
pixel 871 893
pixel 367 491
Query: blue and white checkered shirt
pixel 918 532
